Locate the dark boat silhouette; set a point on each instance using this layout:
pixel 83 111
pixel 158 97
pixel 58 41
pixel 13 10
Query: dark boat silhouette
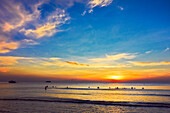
pixel 12 81
pixel 48 81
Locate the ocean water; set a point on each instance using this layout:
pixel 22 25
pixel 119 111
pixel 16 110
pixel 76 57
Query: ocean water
pixel 70 97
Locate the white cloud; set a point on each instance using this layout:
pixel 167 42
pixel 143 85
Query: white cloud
pixel 100 3
pixel 83 13
pixel 166 49
pixel 18 15
pixel 29 42
pixel 16 18
pixel 50 27
pixel 121 8
pixel 114 57
pixel 91 10
pixel 147 52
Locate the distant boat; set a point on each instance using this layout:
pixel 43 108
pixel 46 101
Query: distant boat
pixel 12 81
pixel 48 81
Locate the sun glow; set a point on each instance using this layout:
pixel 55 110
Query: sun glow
pixel 116 77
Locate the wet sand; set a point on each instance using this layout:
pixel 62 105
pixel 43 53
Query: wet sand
pixel 78 101
pixel 60 107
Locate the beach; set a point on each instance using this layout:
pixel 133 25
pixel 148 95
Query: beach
pixel 26 97
pixel 56 107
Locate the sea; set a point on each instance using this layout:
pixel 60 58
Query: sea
pixel 32 97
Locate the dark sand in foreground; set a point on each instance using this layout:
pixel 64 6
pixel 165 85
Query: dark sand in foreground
pixel 59 107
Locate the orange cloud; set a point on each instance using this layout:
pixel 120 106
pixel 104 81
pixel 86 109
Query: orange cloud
pixel 150 63
pixel 8 46
pixel 45 30
pixel 4 69
pixel 10 60
pixel 7 27
pixel 47 66
pixel 56 62
pixel 76 63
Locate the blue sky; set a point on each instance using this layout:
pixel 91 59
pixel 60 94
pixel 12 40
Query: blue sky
pixel 136 31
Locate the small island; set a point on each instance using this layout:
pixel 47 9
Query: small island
pixel 48 81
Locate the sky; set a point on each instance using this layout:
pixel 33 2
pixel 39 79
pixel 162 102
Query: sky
pixel 85 40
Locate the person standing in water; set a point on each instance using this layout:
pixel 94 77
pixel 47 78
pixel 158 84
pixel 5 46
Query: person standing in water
pixel 46 87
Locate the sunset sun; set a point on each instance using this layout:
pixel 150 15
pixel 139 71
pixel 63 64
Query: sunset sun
pixel 117 77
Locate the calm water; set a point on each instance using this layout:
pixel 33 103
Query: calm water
pixel 152 93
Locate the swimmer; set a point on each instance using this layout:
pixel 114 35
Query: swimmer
pixel 46 87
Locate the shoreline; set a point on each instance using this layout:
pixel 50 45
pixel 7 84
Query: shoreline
pixel 60 107
pixel 78 101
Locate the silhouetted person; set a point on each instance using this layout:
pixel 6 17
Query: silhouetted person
pixel 131 87
pixel 142 87
pixel 116 88
pixel 97 87
pixel 46 87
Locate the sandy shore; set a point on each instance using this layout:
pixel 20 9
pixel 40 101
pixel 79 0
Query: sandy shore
pixel 59 107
